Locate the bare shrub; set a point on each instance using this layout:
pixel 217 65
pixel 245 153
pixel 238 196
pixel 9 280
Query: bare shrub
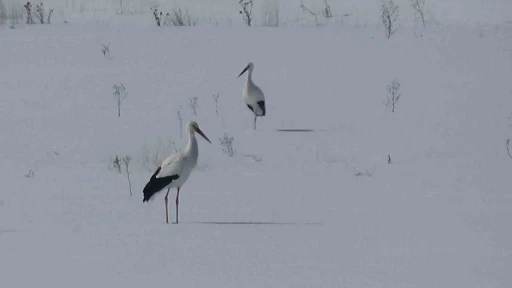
pixel 179 18
pixel 28 10
pixel 310 12
pixel 105 49
pixel 325 12
pixel 216 99
pixel 418 6
pixel 193 104
pixel 271 13
pixel 389 16
pixel 117 165
pixel 157 15
pixel 227 144
pixel 119 94
pixel 49 18
pixel 393 95
pixel 40 13
pixel 246 11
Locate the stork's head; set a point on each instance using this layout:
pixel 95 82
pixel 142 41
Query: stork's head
pixel 250 67
pixel 192 127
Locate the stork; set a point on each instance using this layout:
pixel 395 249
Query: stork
pixel 253 96
pixel 175 170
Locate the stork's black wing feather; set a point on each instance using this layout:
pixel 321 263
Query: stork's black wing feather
pixel 156 184
pixel 262 107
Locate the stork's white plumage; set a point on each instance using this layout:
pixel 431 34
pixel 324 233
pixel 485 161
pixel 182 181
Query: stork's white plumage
pixel 253 96
pixel 175 169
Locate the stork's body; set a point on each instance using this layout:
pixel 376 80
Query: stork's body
pixel 253 96
pixel 175 170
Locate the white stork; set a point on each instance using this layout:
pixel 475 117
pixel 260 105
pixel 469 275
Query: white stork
pixel 175 169
pixel 253 96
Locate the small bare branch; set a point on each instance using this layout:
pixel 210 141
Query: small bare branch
pixel 116 164
pixel 119 94
pixel 105 49
pixel 192 104
pixel 418 6
pixel 327 10
pixel 126 161
pixel 507 143
pixel 216 99
pixel 49 18
pixel 158 16
pixel 40 13
pixel 393 95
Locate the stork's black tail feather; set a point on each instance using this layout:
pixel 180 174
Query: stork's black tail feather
pixel 156 184
pixel 262 107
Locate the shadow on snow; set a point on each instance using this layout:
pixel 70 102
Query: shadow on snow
pixel 251 223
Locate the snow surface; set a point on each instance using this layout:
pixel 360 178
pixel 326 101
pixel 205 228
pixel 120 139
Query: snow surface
pixel 310 209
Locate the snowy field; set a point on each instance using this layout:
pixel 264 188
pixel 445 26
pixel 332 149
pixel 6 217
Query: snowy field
pixel 310 209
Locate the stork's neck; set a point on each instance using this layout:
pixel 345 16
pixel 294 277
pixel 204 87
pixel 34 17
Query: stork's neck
pixel 248 81
pixel 192 150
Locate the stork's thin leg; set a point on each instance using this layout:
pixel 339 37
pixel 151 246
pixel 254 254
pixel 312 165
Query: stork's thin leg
pixel 166 210
pixel 255 121
pixel 177 203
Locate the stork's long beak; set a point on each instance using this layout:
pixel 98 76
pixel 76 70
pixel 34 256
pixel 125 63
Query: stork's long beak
pixel 202 134
pixel 243 71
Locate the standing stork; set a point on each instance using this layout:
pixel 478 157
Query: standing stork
pixel 175 170
pixel 253 96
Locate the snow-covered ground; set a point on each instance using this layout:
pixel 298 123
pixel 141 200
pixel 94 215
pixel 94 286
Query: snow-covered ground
pixel 310 209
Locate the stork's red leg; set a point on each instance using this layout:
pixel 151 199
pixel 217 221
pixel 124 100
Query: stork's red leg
pixel 255 121
pixel 177 203
pixel 166 210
